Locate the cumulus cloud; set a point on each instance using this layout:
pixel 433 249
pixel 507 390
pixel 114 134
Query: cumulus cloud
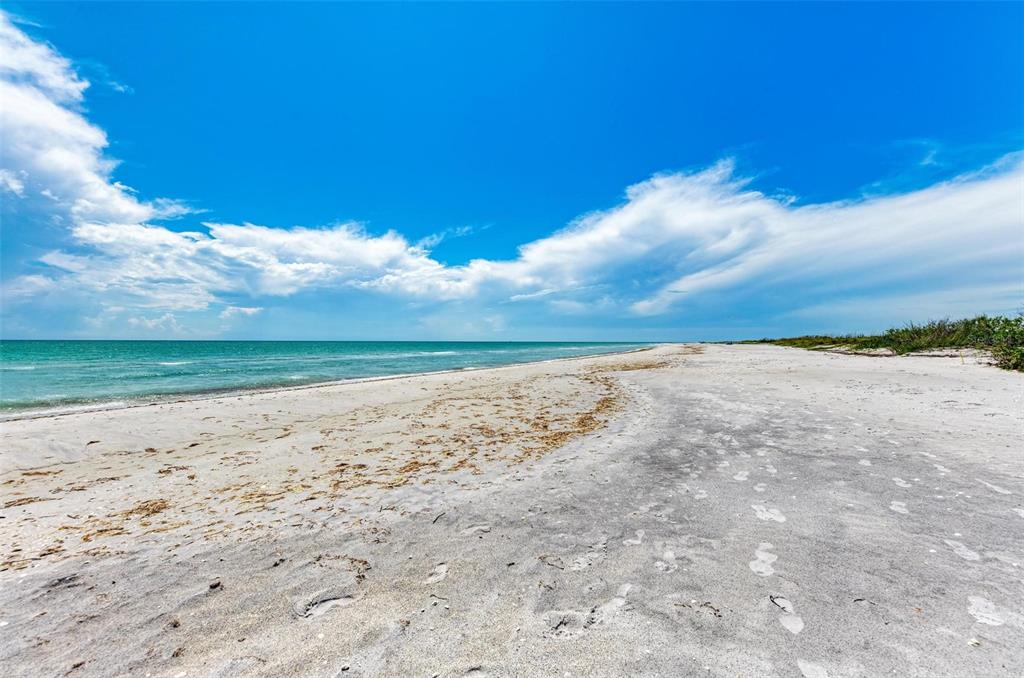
pixel 236 311
pixel 674 239
pixel 166 323
pixel 147 265
pixel 27 61
pixel 48 143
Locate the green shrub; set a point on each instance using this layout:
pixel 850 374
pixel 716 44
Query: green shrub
pixel 1006 341
pixel 1002 336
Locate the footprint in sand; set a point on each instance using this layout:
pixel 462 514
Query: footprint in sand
pixel 321 604
pixel 898 507
pixel 962 550
pixel 437 574
pixel 476 529
pixel 605 611
pixel 763 565
pixel 789 619
pixel 594 554
pixel 765 513
pixel 667 562
pixel 985 611
pixel 563 623
pixel 635 542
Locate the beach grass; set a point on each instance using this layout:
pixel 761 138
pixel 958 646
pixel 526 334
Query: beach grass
pixel 1003 337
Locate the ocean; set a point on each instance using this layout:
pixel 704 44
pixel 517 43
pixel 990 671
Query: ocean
pixel 40 377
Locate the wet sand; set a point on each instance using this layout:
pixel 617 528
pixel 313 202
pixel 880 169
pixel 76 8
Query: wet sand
pixel 717 510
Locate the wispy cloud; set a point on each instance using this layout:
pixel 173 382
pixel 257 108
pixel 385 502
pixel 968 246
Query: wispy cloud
pixel 675 239
pixel 949 235
pixel 677 236
pixel 434 239
pixel 239 311
pixel 12 182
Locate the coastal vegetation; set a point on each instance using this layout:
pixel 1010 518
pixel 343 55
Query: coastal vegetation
pixel 1001 336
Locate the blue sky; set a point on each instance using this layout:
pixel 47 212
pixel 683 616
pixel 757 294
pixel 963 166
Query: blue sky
pixel 507 171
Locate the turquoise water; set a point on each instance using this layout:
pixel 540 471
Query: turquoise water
pixel 43 376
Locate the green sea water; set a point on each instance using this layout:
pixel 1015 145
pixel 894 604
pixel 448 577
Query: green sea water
pixel 56 376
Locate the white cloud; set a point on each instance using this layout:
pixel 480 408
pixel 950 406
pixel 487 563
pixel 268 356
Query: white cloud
pixel 27 286
pixel 187 270
pixel 674 239
pixel 434 239
pixel 236 311
pixel 50 146
pixel 954 229
pixel 23 59
pixel 167 323
pixel 527 296
pixel 12 182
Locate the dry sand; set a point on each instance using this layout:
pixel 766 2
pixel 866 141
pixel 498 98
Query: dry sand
pixel 718 510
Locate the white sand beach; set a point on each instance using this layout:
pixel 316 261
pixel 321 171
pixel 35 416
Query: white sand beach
pixel 685 510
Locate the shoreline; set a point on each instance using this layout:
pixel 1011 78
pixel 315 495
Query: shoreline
pixel 193 396
pixel 708 501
